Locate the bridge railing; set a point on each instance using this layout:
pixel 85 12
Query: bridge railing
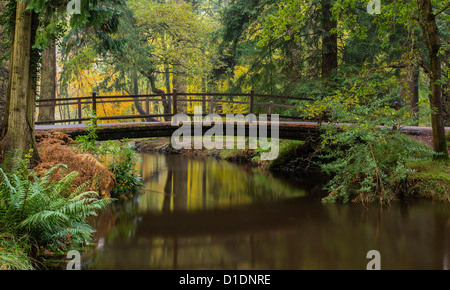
pixel 172 100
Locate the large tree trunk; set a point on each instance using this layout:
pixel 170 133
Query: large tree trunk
pixel 48 83
pixel 166 104
pixel 432 37
pixel 18 132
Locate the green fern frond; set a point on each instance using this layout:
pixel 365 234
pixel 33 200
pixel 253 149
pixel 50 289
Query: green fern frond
pixel 48 211
pixel 50 173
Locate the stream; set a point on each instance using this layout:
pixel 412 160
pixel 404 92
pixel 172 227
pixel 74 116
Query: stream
pixel 208 214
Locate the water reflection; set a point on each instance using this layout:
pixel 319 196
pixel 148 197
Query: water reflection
pixel 209 214
pixel 179 183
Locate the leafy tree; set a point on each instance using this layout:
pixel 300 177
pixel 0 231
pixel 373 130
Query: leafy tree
pixel 180 41
pixel 18 128
pixel 418 17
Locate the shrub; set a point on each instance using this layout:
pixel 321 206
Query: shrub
pixel 362 146
pixel 123 161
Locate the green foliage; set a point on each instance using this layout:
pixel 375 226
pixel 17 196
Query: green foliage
pixel 123 165
pixel 88 142
pixel 241 22
pixel 362 148
pixel 50 214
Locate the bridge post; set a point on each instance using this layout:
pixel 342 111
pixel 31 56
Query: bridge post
pixel 174 100
pixel 80 113
pixel 251 100
pixel 94 103
pixel 211 105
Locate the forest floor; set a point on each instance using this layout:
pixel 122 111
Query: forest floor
pixel 428 139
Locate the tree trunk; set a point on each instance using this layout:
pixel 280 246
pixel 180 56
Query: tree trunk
pixel 432 37
pixel 137 103
pixel 19 128
pixel 166 105
pixel 414 101
pixel 179 78
pixel 329 42
pixel 179 84
pixel 48 83
pixel 409 93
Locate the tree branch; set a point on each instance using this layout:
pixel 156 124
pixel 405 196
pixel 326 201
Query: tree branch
pixel 442 10
pixel 427 70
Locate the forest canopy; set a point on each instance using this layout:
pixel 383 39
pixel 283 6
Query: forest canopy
pixel 309 49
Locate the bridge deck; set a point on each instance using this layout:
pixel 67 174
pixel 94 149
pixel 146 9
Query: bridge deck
pixel 113 131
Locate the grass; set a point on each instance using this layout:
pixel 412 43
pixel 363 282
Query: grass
pixel 13 253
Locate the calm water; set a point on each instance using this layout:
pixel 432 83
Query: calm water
pixel 209 214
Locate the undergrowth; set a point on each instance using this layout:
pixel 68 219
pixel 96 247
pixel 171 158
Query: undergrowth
pixel 57 148
pixel 119 158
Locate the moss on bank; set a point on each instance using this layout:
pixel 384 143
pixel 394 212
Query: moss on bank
pixel 430 179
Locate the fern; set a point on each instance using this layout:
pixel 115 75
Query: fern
pixel 52 214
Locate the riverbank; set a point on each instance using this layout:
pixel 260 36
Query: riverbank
pixel 427 179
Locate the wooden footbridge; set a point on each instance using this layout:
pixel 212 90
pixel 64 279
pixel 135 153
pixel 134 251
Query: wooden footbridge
pixel 145 125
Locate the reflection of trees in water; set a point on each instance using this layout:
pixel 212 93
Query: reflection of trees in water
pixel 441 239
pixel 205 182
pixel 176 187
pixel 168 189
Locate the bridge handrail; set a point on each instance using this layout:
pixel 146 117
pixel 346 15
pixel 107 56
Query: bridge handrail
pixel 95 99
